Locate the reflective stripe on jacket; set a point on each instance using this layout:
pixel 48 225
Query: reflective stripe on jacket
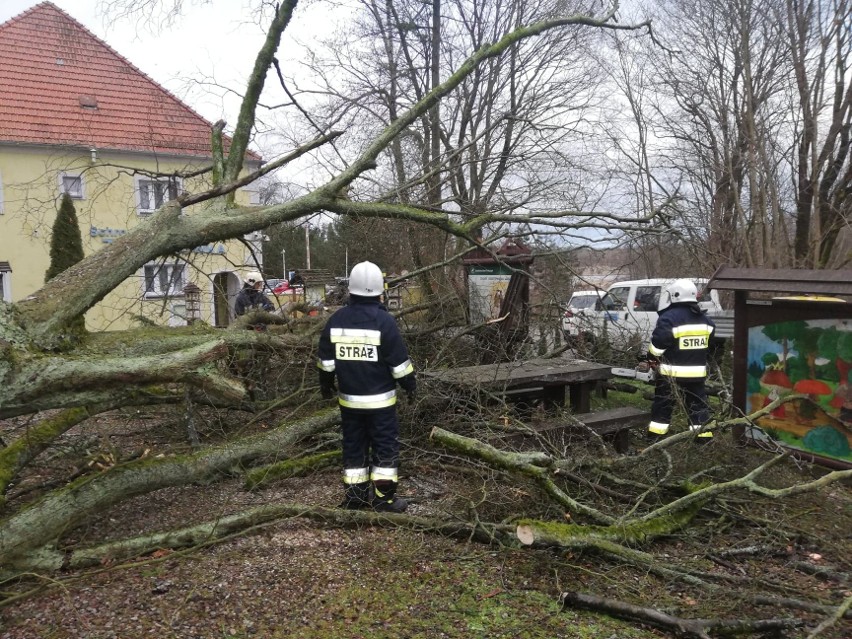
pixel 681 341
pixel 361 345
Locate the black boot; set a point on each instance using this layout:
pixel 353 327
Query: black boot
pixel 385 499
pixel 357 496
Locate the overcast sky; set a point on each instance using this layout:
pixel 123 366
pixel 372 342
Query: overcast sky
pixel 216 40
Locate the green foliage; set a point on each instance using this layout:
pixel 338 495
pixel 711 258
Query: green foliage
pixel 753 383
pixel 844 346
pixel 66 242
pixel 806 341
pixel 769 359
pixel 827 372
pixel 388 243
pixel 797 368
pixel 755 370
pixel 828 342
pixel 827 440
pixel 290 238
pixel 782 331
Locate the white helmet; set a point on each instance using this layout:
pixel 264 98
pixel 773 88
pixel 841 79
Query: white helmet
pixel 682 291
pixel 366 280
pixel 252 278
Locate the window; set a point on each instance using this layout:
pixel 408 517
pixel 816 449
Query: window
pixel 581 301
pixel 5 282
pixel 616 299
pixel 1 194
pixel 647 298
pixel 164 280
pixel 178 314
pixel 152 193
pixel 72 184
pixel 253 194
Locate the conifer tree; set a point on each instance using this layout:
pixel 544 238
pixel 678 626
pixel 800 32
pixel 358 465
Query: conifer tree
pixel 66 242
pixel 66 249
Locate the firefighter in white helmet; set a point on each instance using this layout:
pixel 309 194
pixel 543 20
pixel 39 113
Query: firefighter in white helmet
pixel 679 347
pixel 251 296
pixel 362 347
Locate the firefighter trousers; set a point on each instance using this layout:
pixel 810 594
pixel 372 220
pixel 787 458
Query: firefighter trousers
pixel 370 437
pixel 671 390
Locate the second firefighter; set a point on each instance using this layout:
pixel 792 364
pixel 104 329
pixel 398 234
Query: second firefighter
pixel 680 344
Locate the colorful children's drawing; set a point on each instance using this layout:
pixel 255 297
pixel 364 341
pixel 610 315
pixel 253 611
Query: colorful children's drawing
pixel 812 360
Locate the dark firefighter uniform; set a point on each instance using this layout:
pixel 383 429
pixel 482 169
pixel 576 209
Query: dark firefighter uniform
pixel 680 343
pixel 362 346
pixel 249 299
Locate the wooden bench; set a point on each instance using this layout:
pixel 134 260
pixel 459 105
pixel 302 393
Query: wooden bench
pixel 613 426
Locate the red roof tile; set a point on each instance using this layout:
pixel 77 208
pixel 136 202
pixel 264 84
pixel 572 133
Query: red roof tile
pixel 53 70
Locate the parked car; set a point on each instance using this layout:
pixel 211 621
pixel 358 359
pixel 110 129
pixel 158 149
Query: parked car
pixel 578 320
pixel 285 288
pixel 270 284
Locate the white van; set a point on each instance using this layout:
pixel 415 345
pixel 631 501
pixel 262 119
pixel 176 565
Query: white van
pixel 628 311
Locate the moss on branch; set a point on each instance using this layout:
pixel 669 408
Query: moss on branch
pixel 262 63
pixel 35 440
pixel 62 509
pixel 534 465
pixel 265 475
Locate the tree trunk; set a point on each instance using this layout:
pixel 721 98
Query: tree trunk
pixel 62 509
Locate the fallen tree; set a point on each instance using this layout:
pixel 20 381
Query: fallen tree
pixel 44 367
pixel 629 538
pixel 60 386
pixel 23 534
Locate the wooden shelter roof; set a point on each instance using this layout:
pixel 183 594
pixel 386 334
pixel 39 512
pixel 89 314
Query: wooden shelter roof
pixel 785 280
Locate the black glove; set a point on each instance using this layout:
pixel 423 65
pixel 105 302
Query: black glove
pixel 409 385
pixel 326 384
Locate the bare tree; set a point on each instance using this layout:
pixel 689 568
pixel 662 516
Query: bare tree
pixel 40 370
pixel 820 46
pixel 754 98
pixel 165 366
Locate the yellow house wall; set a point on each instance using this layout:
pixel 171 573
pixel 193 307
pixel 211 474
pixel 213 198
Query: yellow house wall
pixel 31 189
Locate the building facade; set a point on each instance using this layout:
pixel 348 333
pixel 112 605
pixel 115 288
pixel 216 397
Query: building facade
pixel 78 118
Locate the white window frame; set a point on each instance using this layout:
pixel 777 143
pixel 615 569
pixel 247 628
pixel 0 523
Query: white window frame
pixel 6 286
pixel 75 195
pixel 253 194
pixel 177 316
pixel 143 183
pixel 158 280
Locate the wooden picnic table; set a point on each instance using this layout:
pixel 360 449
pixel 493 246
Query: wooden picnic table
pixel 545 377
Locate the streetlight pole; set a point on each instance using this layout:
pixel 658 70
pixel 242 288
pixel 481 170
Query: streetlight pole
pixel 284 264
pixel 308 244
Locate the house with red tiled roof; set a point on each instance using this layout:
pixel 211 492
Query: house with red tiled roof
pixel 76 117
